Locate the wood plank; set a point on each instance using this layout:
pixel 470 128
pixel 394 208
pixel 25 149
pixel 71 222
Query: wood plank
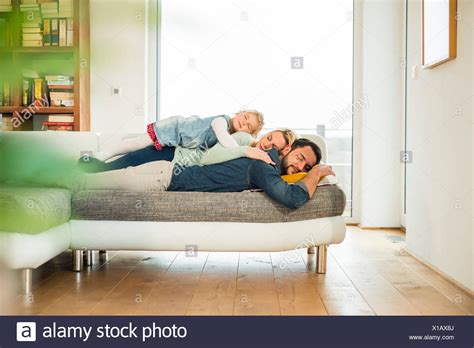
pixel 295 288
pixel 338 293
pixel 357 263
pixel 367 274
pixel 128 296
pixel 256 292
pixel 50 283
pixel 454 294
pixel 374 253
pixel 426 298
pixel 174 292
pixel 93 284
pixel 215 292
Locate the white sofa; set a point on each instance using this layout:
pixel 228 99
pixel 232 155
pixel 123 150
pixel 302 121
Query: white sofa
pixel 26 252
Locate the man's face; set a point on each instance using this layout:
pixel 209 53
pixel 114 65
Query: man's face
pixel 299 160
pixel 272 140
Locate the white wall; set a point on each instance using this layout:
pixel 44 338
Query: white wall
pixel 378 77
pixel 119 59
pixel 440 134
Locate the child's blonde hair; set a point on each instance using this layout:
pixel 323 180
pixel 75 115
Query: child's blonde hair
pixel 259 117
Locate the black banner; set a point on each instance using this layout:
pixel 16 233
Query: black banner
pixel 115 331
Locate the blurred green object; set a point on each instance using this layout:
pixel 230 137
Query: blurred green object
pixel 35 162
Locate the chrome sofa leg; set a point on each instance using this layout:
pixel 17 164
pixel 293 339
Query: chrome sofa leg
pixel 88 258
pixel 26 281
pixel 77 260
pixel 102 255
pixel 312 250
pixel 321 259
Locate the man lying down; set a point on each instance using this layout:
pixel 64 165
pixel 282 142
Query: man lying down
pixel 232 176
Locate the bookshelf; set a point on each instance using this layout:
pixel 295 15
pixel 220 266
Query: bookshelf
pixel 71 62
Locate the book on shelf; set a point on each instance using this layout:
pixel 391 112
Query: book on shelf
pixel 31 16
pixel 32 36
pixel 54 32
pixel 46 32
pixel 25 91
pixel 32 30
pixel 57 77
pixel 53 90
pixel 31 25
pixel 52 20
pixel 6 6
pixel 7 124
pixel 49 10
pixel 61 118
pixel 58 126
pixel 61 90
pixel 70 32
pixel 62 32
pixel 29 8
pixel 32 43
pixel 6 94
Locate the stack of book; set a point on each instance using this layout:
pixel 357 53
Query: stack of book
pixel 66 8
pixel 5 95
pixel 31 24
pixel 34 92
pixel 59 123
pixel 6 6
pixel 47 23
pixel 49 9
pixel 61 90
pixel 58 32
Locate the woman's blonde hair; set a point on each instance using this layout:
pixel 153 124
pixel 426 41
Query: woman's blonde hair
pixel 288 134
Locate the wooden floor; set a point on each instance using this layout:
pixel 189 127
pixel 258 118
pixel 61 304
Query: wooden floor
pixel 366 275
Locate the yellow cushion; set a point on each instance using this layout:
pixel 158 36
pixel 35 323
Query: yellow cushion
pixel 292 178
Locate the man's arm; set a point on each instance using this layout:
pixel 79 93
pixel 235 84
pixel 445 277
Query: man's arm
pixel 314 176
pixel 267 177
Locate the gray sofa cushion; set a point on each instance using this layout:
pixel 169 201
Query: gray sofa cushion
pixel 33 209
pixel 202 206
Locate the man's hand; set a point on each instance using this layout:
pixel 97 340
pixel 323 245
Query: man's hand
pixel 315 175
pixel 322 170
pixel 258 154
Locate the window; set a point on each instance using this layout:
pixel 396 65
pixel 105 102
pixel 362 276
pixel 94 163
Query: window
pixel 290 60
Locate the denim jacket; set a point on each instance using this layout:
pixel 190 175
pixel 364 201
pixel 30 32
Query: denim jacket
pixel 189 132
pixel 239 175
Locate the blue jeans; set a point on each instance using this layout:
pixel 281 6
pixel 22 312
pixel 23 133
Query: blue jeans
pixel 132 159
